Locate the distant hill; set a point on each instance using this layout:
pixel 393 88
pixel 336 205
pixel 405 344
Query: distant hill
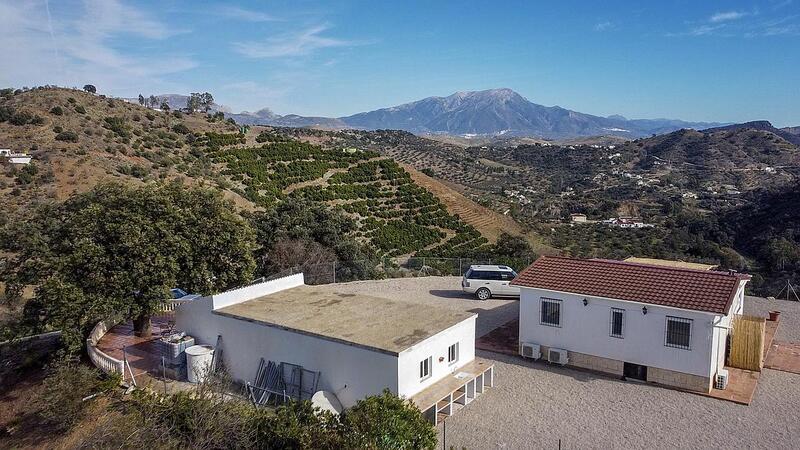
pixel 790 134
pixel 749 145
pixel 494 112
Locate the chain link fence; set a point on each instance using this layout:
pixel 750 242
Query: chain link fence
pixel 409 267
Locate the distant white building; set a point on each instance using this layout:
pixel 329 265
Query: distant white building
pixel 359 344
pixel 15 158
pixel 628 222
pixel 657 323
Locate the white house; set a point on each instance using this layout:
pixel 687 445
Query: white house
pixel 656 323
pixel 359 344
pixel 15 158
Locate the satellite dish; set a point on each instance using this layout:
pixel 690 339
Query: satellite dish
pixel 327 401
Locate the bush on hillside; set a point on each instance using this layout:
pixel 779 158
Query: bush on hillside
pixel 180 128
pixel 65 388
pixel 118 125
pixel 80 109
pixel 67 136
pixel 57 111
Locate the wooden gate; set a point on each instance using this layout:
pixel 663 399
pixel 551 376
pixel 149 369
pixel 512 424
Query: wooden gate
pixel 747 343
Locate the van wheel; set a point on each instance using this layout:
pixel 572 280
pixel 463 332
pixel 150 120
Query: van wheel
pixel 483 294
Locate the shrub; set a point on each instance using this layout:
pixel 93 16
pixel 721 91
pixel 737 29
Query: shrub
pixel 26 174
pixel 150 116
pixel 118 125
pixel 6 113
pixel 57 111
pixel 181 128
pixel 66 386
pixel 67 136
pixel 58 129
pixel 133 170
pixel 21 118
pixel 387 421
pixel 71 100
pixel 80 109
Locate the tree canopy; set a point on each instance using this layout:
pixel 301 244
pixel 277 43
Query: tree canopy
pixel 90 88
pixel 119 249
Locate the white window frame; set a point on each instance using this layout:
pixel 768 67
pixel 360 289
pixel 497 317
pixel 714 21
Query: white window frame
pixel 425 367
pixel 666 332
pixel 454 353
pixel 552 301
pixel 621 335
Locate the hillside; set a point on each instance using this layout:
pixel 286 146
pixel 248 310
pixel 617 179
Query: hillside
pixel 489 113
pixel 79 139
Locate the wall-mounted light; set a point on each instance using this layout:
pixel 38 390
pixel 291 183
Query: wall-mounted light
pixel 644 309
pixel 585 302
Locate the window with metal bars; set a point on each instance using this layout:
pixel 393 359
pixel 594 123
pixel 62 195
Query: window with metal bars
pixel 550 312
pixel 678 333
pixel 617 322
pixel 425 368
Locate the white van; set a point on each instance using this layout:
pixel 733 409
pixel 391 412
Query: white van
pixel 486 281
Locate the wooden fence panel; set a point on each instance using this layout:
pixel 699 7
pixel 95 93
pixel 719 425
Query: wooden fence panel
pixel 747 343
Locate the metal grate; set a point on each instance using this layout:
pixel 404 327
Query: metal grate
pixel 678 333
pixel 617 324
pixel 550 312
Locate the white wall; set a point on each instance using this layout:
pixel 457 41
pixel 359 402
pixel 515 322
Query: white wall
pixel 350 372
pixel 252 291
pixel 586 329
pixel 436 346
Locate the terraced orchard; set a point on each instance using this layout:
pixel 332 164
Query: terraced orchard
pixel 393 214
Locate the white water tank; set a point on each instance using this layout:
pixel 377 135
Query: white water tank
pixel 198 362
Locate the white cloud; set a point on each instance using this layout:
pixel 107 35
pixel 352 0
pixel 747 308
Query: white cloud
pixel 78 45
pixel 604 26
pixel 726 16
pixel 295 44
pixel 247 15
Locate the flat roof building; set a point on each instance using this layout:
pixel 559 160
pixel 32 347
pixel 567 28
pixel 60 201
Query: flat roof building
pixel 359 344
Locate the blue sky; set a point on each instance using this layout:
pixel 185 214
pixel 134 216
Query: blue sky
pixel 713 61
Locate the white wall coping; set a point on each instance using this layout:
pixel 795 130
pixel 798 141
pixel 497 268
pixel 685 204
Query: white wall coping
pixel 253 291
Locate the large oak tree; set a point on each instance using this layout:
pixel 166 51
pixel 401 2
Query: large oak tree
pixel 118 250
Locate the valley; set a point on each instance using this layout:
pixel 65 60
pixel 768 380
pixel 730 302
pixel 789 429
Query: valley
pixel 409 195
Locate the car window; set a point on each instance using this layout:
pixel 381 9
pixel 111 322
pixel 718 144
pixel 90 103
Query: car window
pixel 476 275
pixel 507 276
pixel 493 275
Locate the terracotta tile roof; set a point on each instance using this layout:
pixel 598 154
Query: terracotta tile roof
pixel 698 290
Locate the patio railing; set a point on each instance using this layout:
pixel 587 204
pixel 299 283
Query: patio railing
pixel 170 305
pixel 101 360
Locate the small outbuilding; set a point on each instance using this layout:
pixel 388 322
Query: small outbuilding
pixel 358 344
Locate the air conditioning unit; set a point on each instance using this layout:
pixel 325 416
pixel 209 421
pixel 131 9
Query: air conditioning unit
pixel 557 356
pixel 721 381
pixel 528 350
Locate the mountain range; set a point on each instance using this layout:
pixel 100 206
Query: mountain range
pixel 481 113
